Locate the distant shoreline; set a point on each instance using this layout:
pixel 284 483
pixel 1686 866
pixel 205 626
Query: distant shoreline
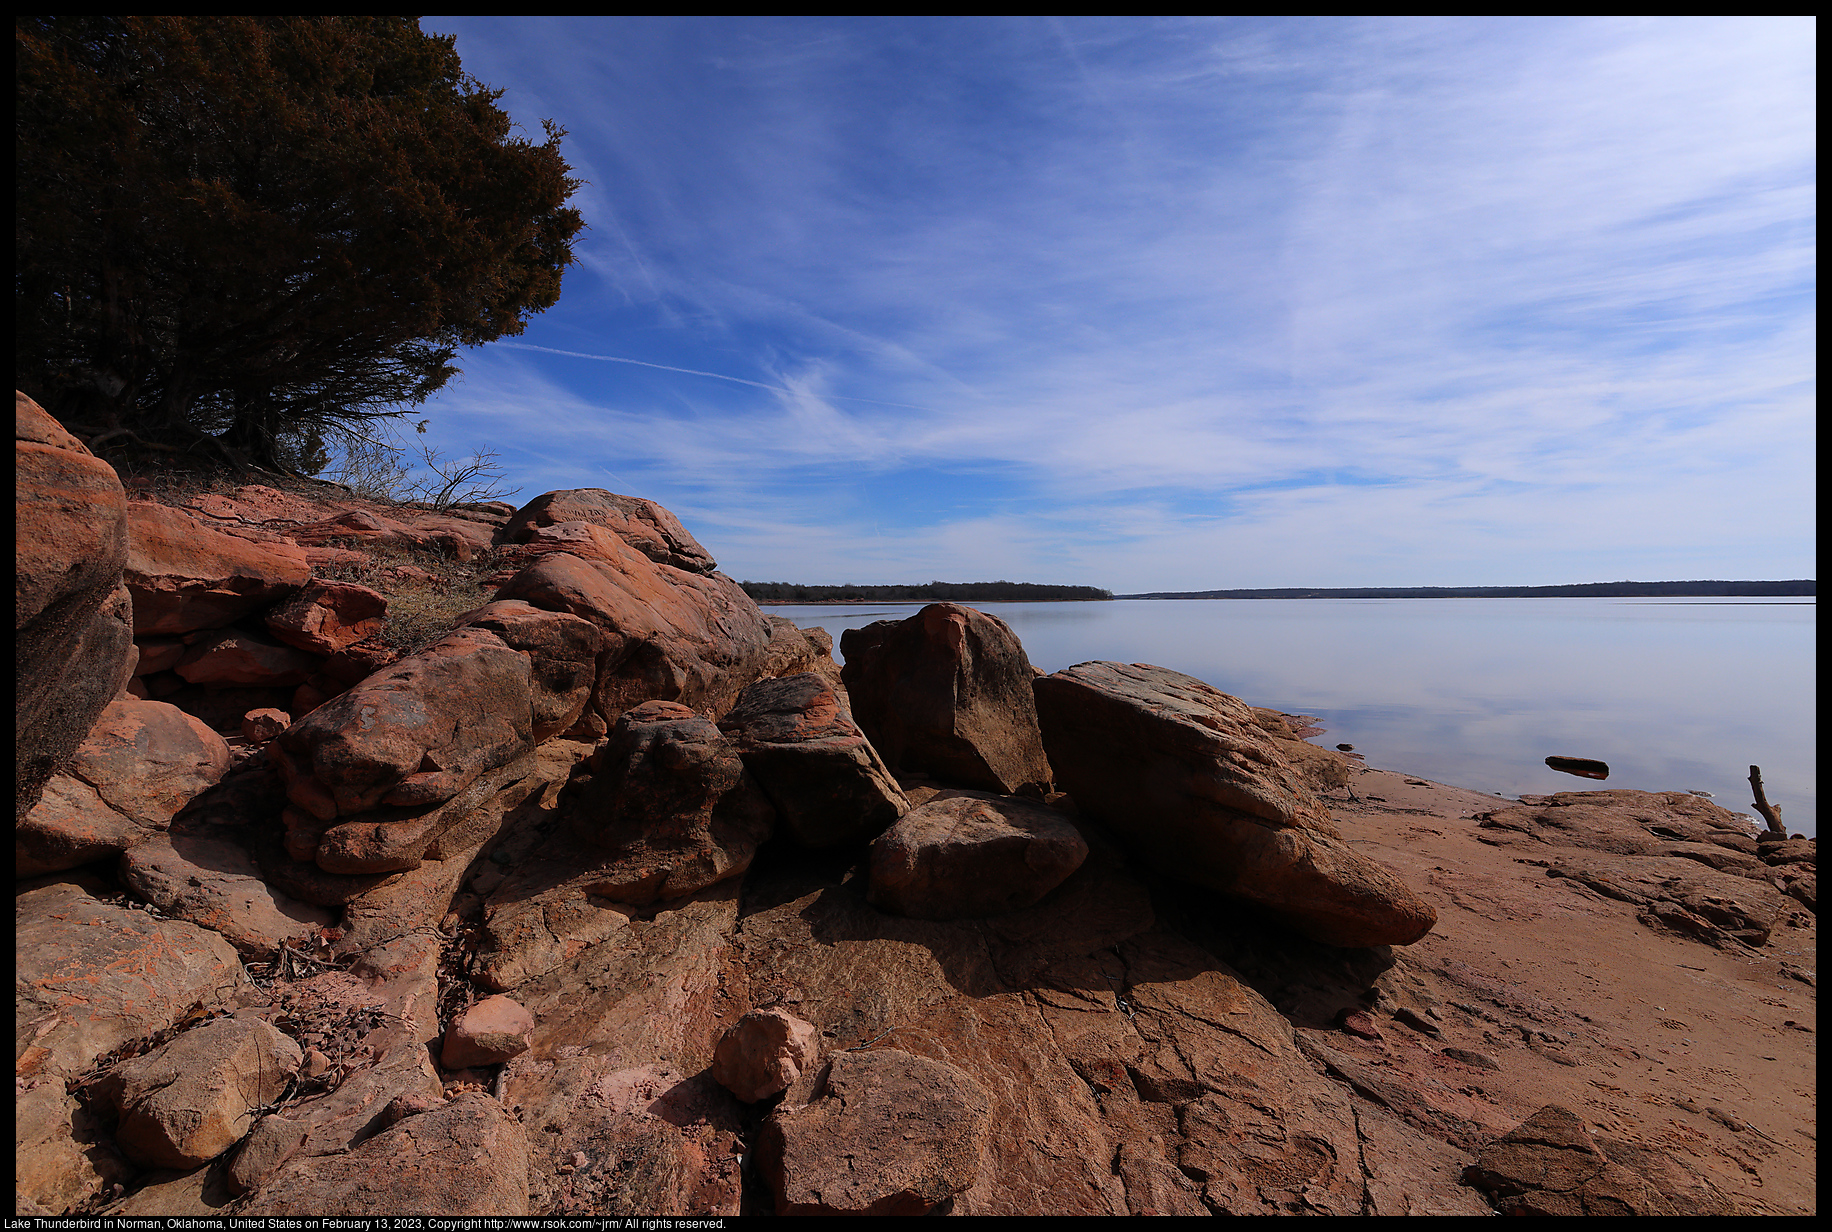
pixel 1803 587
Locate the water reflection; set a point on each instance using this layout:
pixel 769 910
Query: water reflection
pixel 1673 694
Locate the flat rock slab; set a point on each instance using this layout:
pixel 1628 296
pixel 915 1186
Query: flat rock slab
pixel 185 575
pixel 1683 895
pixel 466 1157
pixel 967 854
pixel 89 975
pixel 629 1121
pixel 212 881
pixel 1617 822
pixel 888 1134
pixel 1186 778
pixel 1552 1165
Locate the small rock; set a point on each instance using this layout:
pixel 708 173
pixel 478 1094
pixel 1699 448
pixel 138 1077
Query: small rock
pixel 316 1063
pixel 488 1033
pixel 263 725
pixel 1418 1022
pixel 1358 1023
pixel 409 1103
pixel 1470 1057
pixel 765 1052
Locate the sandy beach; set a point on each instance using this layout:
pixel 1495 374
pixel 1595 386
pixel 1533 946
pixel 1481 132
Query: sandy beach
pixel 1708 1054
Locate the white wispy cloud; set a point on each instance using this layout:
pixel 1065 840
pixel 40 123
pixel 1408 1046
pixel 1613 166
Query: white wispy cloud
pixel 1185 302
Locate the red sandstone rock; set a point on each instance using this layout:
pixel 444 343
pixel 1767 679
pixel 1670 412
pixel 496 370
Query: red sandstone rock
pixel 185 575
pixel 488 1033
pixel 237 657
pixel 642 524
pixel 970 855
pixel 143 762
pixel 947 692
pixel 72 631
pixel 469 1156
pixel 892 1134
pixel 188 1101
pixel 210 880
pixel 93 975
pixel 671 805
pixel 260 726
pixel 326 616
pixel 1551 1165
pixel 375 530
pixel 1183 774
pixel 562 653
pixel 158 654
pixel 413 737
pixel 670 635
pixel 763 1054
pixel 797 738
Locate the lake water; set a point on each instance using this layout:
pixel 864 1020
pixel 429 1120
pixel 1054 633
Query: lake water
pixel 1674 694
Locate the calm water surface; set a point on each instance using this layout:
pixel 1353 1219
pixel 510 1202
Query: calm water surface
pixel 1675 694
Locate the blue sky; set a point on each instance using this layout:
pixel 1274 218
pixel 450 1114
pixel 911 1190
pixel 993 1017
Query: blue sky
pixel 1174 303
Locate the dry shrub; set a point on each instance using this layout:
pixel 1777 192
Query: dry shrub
pixel 426 590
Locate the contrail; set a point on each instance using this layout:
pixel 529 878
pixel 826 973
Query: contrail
pixel 717 376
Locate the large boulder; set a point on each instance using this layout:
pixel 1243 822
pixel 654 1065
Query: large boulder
pixel 467 1156
pixel 186 576
pixel 73 634
pixel 947 693
pixel 374 773
pixel 562 655
pixel 1550 1164
pixel 143 762
pixel 967 855
pixel 670 635
pixel 191 1099
pixel 89 975
pixel 892 1134
pixel 642 524
pixel 671 806
pixel 1185 777
pixel 797 738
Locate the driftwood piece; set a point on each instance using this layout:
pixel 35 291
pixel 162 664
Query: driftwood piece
pixel 1770 813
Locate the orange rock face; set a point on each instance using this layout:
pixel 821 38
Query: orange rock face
pixel 72 634
pixel 1185 776
pixel 186 576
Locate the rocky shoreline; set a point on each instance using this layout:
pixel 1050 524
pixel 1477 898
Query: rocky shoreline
pixel 614 895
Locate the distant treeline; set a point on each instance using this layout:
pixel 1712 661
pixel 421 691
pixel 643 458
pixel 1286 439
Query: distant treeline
pixel 934 592
pixel 1586 590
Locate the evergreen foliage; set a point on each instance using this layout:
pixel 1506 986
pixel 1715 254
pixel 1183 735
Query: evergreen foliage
pixel 257 236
